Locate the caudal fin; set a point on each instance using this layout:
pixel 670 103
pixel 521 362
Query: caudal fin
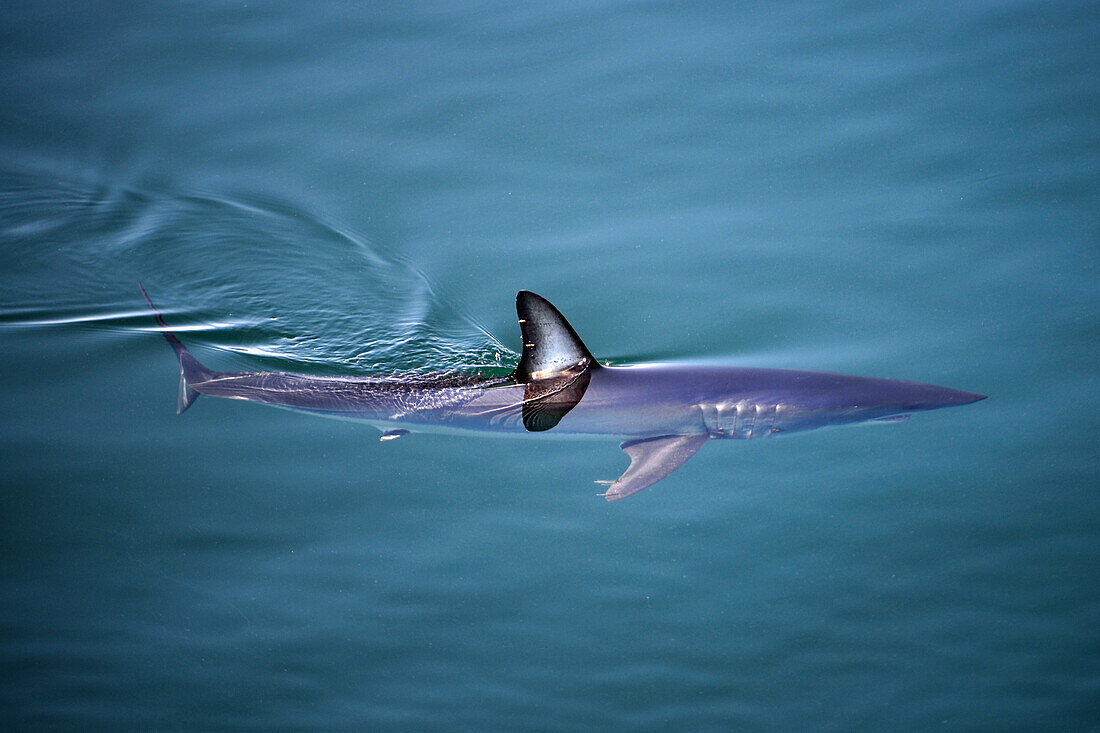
pixel 191 370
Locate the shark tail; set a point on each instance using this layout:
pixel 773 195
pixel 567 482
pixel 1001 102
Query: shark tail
pixel 191 371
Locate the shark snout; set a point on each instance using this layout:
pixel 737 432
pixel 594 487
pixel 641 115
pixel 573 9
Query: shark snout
pixel 930 398
pixel 965 398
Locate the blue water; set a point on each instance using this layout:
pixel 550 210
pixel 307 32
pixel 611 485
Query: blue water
pixel 907 191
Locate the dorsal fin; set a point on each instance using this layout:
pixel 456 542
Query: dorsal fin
pixel 551 347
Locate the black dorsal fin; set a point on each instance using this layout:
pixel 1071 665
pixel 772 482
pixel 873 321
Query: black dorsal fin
pixel 547 401
pixel 551 348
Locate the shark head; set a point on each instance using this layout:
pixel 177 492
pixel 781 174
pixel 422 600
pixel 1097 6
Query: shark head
pixel 898 396
pixel 886 400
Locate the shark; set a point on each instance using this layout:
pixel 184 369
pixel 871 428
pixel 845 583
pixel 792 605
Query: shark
pixel 663 413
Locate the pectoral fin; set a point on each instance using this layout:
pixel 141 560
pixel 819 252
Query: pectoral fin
pixel 651 459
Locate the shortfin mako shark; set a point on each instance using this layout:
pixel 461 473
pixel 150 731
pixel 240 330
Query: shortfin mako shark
pixel 663 412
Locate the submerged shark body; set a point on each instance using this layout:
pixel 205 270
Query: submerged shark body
pixel 664 413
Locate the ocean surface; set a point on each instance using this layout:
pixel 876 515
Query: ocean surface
pixel 906 190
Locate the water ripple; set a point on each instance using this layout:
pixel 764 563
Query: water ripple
pixel 248 275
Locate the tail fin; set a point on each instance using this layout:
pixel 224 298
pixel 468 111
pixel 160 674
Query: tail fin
pixel 190 368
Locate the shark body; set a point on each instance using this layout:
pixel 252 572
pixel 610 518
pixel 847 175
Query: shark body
pixel 663 412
